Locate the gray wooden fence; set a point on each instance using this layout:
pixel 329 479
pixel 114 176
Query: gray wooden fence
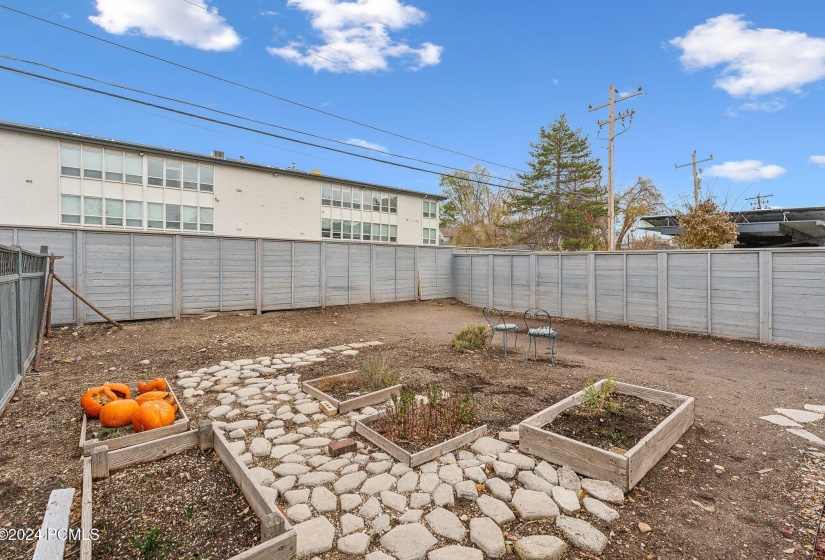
pixel 775 295
pixel 147 276
pixel 22 282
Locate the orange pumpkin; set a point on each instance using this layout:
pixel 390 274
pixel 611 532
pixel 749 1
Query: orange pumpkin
pixel 120 389
pixel 118 413
pixel 95 398
pixel 155 396
pixel 157 384
pixel 153 414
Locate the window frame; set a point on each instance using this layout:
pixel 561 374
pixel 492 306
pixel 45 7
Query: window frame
pixel 393 204
pixel 192 185
pixel 132 204
pixel 336 225
pixel 203 223
pixel 169 165
pixel 149 219
pixel 86 215
pixel 131 177
pixel 336 196
pixel 63 167
pixel 206 186
pixel 326 228
pixel 188 225
pixel 366 230
pixel 89 173
pixel 63 213
pixel 357 194
pixel 326 195
pixel 111 217
pixel 155 180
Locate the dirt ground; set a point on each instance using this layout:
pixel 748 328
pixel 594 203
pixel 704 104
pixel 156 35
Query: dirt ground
pixel 695 509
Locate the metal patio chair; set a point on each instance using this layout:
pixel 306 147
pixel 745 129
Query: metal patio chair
pixel 501 326
pixel 542 330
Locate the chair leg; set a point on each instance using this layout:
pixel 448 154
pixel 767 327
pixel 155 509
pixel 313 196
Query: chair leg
pixel 553 351
pixel 505 343
pixel 527 356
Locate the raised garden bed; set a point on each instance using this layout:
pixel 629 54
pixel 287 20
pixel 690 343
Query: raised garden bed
pixel 624 470
pixel 278 539
pixel 415 431
pixel 335 389
pixel 125 436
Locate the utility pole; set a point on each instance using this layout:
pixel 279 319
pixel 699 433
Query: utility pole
pixel 759 198
pixel 696 180
pixel 611 136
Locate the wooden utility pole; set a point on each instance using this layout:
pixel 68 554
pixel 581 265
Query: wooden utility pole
pixel 760 199
pixel 611 136
pixel 696 180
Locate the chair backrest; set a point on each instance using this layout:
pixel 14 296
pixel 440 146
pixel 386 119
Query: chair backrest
pixel 537 315
pixel 491 314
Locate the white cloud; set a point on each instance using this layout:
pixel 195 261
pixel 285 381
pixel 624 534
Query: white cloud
pixel 174 20
pixel 748 170
pixel 358 36
pixel 819 160
pixel 367 144
pixel 756 61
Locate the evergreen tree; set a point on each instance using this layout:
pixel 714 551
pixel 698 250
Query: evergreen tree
pixel 564 207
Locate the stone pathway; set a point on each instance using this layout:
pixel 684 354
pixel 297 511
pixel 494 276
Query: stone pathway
pixel 792 420
pixel 365 503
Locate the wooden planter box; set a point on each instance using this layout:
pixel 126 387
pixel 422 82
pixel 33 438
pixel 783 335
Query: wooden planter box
pixel 625 471
pixel 376 397
pixel 421 457
pixel 178 426
pixel 278 538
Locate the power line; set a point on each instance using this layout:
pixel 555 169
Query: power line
pixel 204 107
pixel 263 132
pixel 250 88
pixel 240 127
pixel 697 181
pixel 211 10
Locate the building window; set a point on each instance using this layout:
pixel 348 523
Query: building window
pixel 70 209
pixel 356 199
pixel 114 165
pixel 207 178
pixel 336 197
pixel 190 176
pixel 70 161
pixel 376 232
pixel 92 211
pixel 173 174
pixel 114 212
pixel 173 216
pixel 346 230
pixel 429 236
pixel 336 229
pixel 393 204
pixel 326 228
pixel 154 215
pixel 366 234
pixel 92 163
pixel 134 213
pixel 134 169
pixel 429 208
pixel 326 195
pixel 356 230
pixel 385 232
pixel 155 172
pixel 393 234
pixel 207 219
pixel 347 197
pixel 385 203
pixel 190 218
pixel 376 201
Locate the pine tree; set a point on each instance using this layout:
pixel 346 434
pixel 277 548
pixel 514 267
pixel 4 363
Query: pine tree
pixel 564 207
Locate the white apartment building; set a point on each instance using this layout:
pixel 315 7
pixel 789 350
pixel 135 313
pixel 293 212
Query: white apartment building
pixel 56 179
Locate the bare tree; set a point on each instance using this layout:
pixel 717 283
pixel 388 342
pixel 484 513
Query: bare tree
pixel 477 208
pixel 640 199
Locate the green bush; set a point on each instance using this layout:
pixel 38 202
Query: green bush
pixel 470 337
pixel 598 401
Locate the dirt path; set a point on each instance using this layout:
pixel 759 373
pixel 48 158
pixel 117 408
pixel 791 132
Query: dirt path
pixel 734 383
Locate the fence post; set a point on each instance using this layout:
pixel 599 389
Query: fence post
pixel 19 318
pixel 591 286
pixel 624 289
pixel 372 273
pixel 80 276
pixel 322 283
pixel 491 280
pixel 416 274
pixel 533 280
pixel 710 295
pixel 766 296
pixel 662 289
pixel 177 267
pixel 259 275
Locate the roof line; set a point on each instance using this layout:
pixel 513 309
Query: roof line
pixel 76 136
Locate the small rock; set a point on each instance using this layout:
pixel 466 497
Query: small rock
pixel 467 490
pixel 355 544
pixel 410 541
pixel 644 527
pixel 323 500
pixel 314 536
pixel 447 524
pixel 534 505
pixel 603 490
pixel 569 479
pixel 351 523
pixel 455 552
pixel 499 489
pixel 600 510
pixel 485 534
pixel 381 523
pixel 489 446
pixel 299 513
pixel 582 534
pixel 540 547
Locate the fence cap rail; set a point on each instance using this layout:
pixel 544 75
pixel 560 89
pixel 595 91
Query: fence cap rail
pixel 7 249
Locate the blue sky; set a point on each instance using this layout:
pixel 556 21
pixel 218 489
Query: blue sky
pixel 741 80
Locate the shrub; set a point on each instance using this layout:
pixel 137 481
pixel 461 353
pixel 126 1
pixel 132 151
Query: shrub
pixel 378 374
pixel 470 337
pixel 598 400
